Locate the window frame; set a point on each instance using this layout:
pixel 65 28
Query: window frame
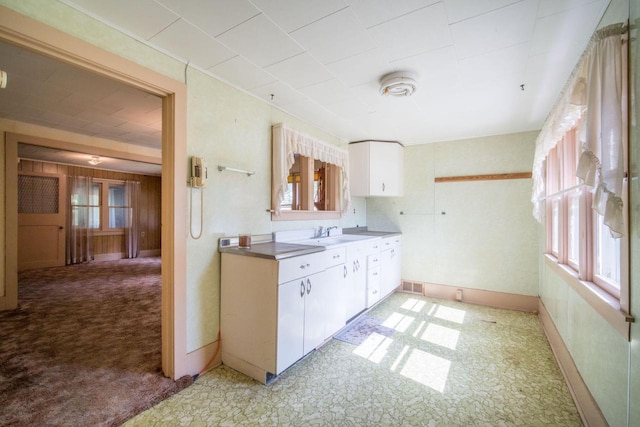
pixel 104 229
pixel 561 164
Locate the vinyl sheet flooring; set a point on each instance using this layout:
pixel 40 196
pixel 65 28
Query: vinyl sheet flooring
pixel 447 364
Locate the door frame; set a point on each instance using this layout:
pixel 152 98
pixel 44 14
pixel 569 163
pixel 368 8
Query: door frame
pixel 33 35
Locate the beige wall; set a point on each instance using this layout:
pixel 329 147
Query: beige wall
pixel 486 239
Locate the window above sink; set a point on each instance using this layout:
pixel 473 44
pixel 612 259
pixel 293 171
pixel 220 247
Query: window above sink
pixel 310 177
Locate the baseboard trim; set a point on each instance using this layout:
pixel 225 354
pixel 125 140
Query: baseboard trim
pixel 587 406
pixel 479 296
pixel 198 359
pixel 149 253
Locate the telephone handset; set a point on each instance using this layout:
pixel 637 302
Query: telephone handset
pixel 198 172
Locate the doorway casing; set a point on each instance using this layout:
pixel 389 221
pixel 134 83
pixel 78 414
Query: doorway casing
pixel 30 34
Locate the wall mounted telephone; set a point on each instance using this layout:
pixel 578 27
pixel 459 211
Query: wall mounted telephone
pixel 198 172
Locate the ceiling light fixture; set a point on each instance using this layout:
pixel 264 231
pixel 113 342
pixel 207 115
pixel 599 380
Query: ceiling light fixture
pixel 95 160
pixel 400 83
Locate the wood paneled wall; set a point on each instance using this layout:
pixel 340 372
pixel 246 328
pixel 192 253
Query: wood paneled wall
pixel 150 193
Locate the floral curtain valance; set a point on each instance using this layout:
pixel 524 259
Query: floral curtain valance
pixel 286 143
pixel 594 99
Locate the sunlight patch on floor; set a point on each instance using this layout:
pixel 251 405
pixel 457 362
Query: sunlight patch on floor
pixel 427 369
pixel 399 322
pixel 441 335
pixel 450 314
pixel 374 348
pixel 413 304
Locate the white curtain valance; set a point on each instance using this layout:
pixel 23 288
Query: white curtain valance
pixel 286 143
pixel 593 99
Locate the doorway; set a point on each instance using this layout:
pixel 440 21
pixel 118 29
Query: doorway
pixel 37 37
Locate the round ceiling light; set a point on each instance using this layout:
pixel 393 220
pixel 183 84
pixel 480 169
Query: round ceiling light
pixel 398 84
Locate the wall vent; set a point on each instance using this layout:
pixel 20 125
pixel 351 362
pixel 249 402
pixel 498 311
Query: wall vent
pixel 413 287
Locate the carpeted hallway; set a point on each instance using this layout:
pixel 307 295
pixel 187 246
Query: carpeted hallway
pixel 83 348
pixel 444 364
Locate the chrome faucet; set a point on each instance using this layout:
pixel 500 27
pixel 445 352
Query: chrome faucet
pixel 329 230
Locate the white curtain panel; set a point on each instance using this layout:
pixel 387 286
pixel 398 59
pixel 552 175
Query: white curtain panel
pixel 594 99
pixel 132 225
pixel 286 143
pixel 79 245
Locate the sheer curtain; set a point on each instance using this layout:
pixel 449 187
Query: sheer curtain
pixel 80 220
pixel 132 222
pixel 594 99
pixel 286 143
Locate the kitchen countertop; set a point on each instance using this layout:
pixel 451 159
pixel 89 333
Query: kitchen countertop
pixel 367 232
pixel 273 250
pixel 265 248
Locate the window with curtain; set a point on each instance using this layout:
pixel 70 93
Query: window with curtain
pixel 309 175
pixel 81 219
pixel 579 171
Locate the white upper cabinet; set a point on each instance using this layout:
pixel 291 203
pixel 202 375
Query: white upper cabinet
pixel 376 169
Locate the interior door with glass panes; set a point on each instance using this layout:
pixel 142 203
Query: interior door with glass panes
pixel 41 218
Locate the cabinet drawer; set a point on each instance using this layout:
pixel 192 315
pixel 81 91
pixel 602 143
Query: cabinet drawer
pixel 335 256
pixel 373 261
pixel 300 266
pixel 373 246
pixel 390 242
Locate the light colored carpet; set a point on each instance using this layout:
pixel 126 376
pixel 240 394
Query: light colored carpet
pixel 447 364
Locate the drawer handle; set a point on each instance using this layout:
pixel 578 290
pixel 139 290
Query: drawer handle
pixel 303 266
pixel 336 256
pixel 375 274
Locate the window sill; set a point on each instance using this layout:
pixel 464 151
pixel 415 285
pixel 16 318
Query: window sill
pixel 305 215
pixel 603 303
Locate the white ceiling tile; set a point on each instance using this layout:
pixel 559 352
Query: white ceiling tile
pixel 191 44
pixel 282 94
pixel 347 107
pixel 327 92
pixel 373 12
pixel 495 64
pixel 358 69
pixel 300 71
pixel 551 7
pixel 414 33
pixel 432 65
pixel 565 31
pixel 334 37
pixel 495 30
pixel 459 10
pixel 291 16
pixel 212 16
pixel 260 41
pixel 142 17
pixel 241 73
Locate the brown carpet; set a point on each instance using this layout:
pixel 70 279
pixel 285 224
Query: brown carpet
pixel 83 348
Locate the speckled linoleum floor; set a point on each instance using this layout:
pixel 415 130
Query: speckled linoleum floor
pixel 446 364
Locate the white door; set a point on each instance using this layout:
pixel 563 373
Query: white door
pixel 41 218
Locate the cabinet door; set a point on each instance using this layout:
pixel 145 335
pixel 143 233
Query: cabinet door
pixel 316 296
pixel 386 169
pixel 291 305
pixel 389 270
pixel 359 279
pixel 336 298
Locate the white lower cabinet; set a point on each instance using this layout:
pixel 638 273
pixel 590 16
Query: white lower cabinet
pixel 302 315
pixel 390 264
pixel 356 286
pixel 275 312
pixel 272 313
